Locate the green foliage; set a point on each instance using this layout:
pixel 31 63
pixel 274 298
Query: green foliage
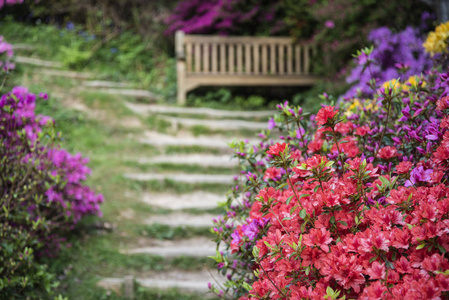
pixel 223 98
pixel 165 232
pixel 27 220
pixel 340 35
pixel 176 187
pixel 74 58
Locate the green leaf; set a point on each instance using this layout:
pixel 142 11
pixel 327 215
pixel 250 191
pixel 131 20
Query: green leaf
pixel 246 286
pixel 384 181
pixel 343 223
pixel 293 209
pixel 329 163
pixel 421 246
pixel 282 185
pixel 441 248
pixel 389 265
pixel 303 213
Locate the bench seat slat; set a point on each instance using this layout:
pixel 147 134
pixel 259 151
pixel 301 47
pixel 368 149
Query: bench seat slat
pixel 189 57
pixel 231 59
pixel 239 58
pixel 206 58
pixel 222 58
pixel 256 59
pixel 214 58
pixel 247 58
pixel 264 59
pixel 197 61
pixel 298 59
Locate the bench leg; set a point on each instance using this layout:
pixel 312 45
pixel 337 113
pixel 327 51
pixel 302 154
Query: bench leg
pixel 181 96
pixel 181 73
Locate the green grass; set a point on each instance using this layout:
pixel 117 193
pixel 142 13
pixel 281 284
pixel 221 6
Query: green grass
pixel 213 211
pixel 165 232
pixel 156 123
pixel 181 168
pixel 206 117
pixel 194 150
pixel 198 130
pixel 113 104
pixel 178 187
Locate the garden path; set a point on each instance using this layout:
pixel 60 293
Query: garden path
pixel 174 171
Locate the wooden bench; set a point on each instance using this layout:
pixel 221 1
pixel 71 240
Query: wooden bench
pixel 204 60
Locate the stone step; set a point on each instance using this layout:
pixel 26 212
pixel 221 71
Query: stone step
pixel 214 142
pixel 217 124
pixel 37 62
pixel 194 247
pixel 160 109
pixel 26 47
pixel 176 219
pixel 67 74
pixel 185 281
pixel 203 160
pixel 136 93
pixel 106 84
pixel 195 200
pixel 184 178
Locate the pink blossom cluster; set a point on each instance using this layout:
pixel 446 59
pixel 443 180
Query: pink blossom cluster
pixel 6 53
pixel 9 2
pixel 224 17
pixel 29 139
pixel 356 199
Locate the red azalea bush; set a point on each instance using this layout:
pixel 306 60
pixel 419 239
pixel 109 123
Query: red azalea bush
pixel 351 205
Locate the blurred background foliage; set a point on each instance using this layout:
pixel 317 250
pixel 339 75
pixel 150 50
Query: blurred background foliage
pixel 133 39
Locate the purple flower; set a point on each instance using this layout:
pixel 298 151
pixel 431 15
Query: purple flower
pixel 271 124
pixel 329 24
pixel 251 230
pixel 418 175
pixel 300 132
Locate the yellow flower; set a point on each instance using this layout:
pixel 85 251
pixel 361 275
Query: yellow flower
pixel 394 84
pixel 436 41
pixel 413 81
pixel 372 105
pixel 354 104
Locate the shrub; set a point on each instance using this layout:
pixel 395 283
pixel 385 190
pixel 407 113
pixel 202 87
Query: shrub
pixel 352 204
pixel 42 195
pixel 338 35
pixel 9 2
pixel 226 17
pixel 397 55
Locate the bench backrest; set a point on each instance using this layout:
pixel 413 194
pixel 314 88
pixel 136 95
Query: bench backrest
pixel 232 55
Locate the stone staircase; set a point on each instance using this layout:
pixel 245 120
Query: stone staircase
pixel 178 206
